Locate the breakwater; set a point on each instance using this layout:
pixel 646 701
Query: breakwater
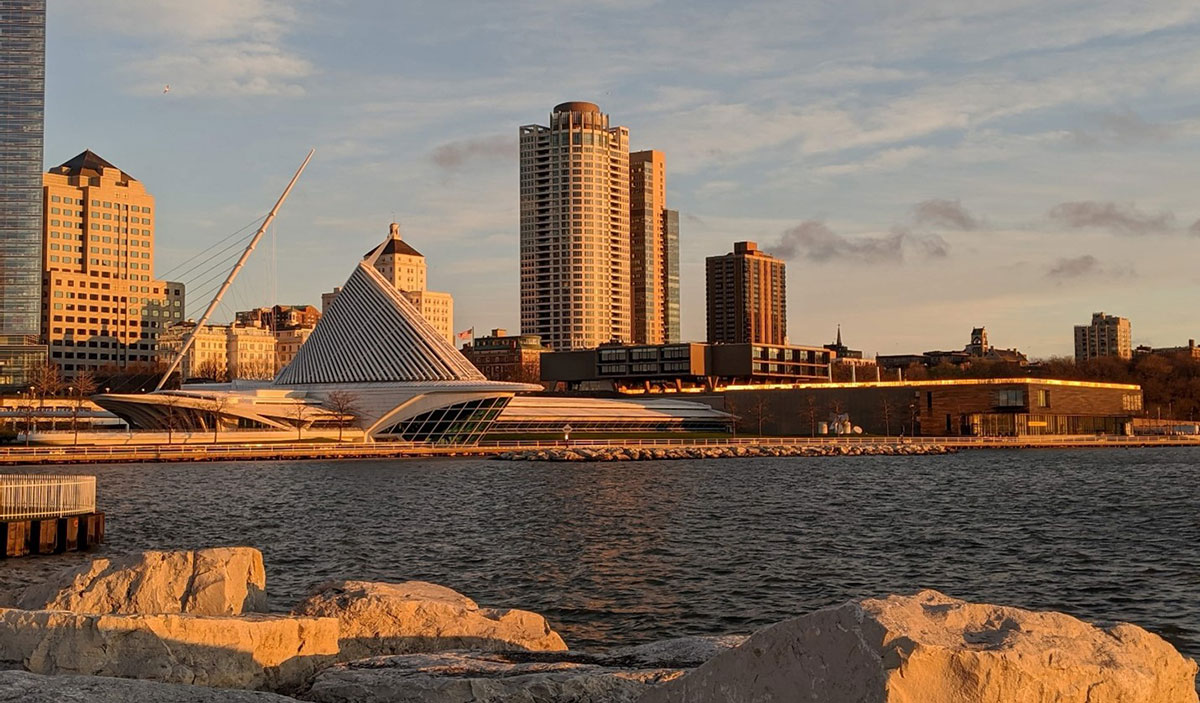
pixel 634 453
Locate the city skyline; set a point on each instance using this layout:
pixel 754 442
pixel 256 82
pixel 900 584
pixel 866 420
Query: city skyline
pixel 1023 188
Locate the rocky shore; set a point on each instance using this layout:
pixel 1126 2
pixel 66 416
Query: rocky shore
pixel 180 627
pixel 612 453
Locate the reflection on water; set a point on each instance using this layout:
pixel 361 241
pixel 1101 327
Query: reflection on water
pixel 622 553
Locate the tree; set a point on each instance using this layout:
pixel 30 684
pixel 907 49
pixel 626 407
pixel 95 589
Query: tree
pixel 812 415
pixel 299 414
pixel 45 380
pixel 885 410
pixel 211 369
pixel 84 386
pixel 754 412
pixel 345 405
pixel 216 406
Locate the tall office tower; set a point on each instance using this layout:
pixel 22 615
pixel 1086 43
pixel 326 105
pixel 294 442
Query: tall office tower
pixel 654 251
pixel 405 268
pixel 746 297
pixel 1107 335
pixel 22 102
pixel 575 277
pixel 102 308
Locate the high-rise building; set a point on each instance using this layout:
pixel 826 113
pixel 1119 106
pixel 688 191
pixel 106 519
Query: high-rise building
pixel 575 246
pixel 405 268
pixel 102 308
pixel 22 106
pixel 1107 335
pixel 746 297
pixel 654 251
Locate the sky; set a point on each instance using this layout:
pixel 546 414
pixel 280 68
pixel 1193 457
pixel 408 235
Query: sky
pixel 924 167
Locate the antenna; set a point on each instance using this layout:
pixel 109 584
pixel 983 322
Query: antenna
pixel 187 343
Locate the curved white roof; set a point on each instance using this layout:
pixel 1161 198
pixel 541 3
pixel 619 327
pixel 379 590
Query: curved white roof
pixel 372 333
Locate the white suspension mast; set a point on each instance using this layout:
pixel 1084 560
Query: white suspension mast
pixel 187 343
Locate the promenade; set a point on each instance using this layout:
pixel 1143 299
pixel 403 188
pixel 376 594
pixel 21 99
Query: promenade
pixel 53 455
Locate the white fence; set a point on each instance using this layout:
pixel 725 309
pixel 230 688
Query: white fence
pixel 25 497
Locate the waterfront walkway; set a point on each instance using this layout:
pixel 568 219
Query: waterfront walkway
pixel 49 455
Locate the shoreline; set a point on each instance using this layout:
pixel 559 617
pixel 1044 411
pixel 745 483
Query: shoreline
pixel 801 446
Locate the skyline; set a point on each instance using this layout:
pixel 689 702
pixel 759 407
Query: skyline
pixel 1024 182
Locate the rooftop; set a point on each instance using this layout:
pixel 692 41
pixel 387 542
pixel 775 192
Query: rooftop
pixel 86 163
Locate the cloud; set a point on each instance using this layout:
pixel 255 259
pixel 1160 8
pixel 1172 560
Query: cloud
pixel 1074 267
pixel 1116 218
pixel 1084 266
pixel 1125 127
pixel 216 48
pixel 813 240
pixel 944 213
pixel 454 155
pixel 1195 229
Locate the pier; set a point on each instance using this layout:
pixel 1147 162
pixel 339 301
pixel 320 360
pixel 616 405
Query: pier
pixel 48 514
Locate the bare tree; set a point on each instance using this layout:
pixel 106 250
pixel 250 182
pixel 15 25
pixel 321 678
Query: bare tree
pixel 216 406
pixel 345 404
pixel 755 412
pixel 211 368
pixel 84 386
pixel 45 380
pixel 885 409
pixel 299 414
pixel 836 410
pixel 812 416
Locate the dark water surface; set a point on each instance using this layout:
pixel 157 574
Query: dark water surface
pixel 629 552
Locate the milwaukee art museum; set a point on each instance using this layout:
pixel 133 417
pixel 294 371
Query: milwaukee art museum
pixel 407 381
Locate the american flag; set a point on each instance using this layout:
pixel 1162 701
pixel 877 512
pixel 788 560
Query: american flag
pixel 466 334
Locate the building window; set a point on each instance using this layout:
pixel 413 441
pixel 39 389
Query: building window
pixel 1043 398
pixel 1010 398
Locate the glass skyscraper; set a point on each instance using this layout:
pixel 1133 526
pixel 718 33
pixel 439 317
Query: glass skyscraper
pixel 22 104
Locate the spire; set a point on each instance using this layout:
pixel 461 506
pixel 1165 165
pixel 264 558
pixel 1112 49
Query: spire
pixel 839 341
pixel 394 231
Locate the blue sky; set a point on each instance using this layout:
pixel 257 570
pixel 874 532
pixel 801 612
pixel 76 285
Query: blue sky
pixel 927 167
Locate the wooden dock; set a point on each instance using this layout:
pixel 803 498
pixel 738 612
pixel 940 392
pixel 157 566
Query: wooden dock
pixel 47 514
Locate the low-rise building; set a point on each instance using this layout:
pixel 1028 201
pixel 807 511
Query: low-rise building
pixel 965 407
pixel 1191 350
pixel 975 350
pixel 222 352
pixel 504 357
pixel 684 366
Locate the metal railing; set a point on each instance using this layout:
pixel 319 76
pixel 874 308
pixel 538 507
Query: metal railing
pixel 25 497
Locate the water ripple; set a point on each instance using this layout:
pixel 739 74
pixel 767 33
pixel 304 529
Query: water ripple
pixel 623 553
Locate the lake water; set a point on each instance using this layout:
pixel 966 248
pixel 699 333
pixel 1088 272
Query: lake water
pixel 629 552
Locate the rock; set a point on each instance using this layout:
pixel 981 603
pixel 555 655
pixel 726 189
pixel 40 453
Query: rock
pixel 24 687
pixel 468 677
pixel 677 653
pixel 248 651
pixel 414 616
pixel 220 581
pixel 930 648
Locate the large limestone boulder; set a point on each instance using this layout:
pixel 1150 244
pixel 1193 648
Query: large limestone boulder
pixel 471 677
pixel 248 651
pixel 615 676
pixel 24 687
pixel 414 616
pixel 929 648
pixel 219 581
